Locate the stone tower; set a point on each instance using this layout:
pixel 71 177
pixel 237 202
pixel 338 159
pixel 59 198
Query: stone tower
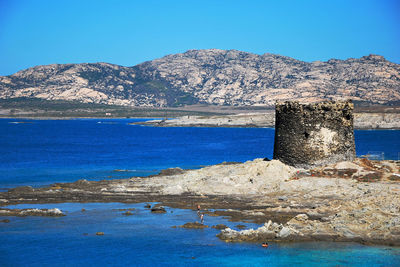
pixel 308 135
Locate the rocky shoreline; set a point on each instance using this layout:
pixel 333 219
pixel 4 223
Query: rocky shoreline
pixel 348 201
pixel 31 212
pixel 267 120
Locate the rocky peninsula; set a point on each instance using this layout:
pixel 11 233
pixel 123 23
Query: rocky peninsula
pixel 346 201
pixel 362 120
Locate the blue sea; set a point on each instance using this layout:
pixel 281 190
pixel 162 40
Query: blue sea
pixel 41 152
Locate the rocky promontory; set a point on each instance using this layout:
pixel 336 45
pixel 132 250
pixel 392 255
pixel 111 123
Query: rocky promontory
pixel 346 201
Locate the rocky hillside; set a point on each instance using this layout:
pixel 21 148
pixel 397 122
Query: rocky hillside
pixel 222 77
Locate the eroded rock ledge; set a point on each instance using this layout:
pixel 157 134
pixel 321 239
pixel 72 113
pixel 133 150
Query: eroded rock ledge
pixel 342 226
pixel 346 201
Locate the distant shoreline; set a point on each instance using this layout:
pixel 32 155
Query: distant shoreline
pixel 362 121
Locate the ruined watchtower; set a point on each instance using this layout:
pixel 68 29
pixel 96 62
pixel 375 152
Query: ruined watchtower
pixel 308 135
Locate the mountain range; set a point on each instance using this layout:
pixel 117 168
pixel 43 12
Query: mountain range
pixel 211 76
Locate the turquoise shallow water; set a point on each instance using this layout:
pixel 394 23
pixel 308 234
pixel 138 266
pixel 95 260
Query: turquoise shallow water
pixel 146 239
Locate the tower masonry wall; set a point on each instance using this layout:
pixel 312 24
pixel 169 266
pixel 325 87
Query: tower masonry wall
pixel 308 135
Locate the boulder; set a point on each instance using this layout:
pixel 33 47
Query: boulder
pixel 284 232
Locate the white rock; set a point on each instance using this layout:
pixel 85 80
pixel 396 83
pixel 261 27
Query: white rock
pixel 285 232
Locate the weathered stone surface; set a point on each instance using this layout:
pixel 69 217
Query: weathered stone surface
pixel 171 171
pixel 343 226
pixel 266 232
pixel 309 135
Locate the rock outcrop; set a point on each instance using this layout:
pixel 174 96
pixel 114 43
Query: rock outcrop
pixel 343 226
pixel 267 119
pixel 158 209
pixel 31 212
pixel 315 134
pixel 221 77
pixel 193 225
pixel 345 201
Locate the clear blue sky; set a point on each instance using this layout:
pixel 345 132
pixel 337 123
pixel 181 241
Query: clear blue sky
pixel 38 32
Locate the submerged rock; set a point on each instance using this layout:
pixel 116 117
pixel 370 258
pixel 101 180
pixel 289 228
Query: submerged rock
pixel 194 225
pixel 219 226
pixel 158 209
